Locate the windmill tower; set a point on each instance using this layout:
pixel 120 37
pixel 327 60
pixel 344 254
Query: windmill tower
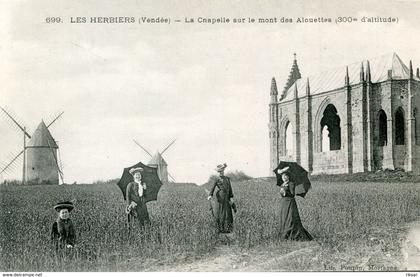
pixel 41 152
pixel 162 166
pixel 40 160
pixel 159 162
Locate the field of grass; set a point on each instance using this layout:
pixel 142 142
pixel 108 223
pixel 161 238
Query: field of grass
pixel 353 224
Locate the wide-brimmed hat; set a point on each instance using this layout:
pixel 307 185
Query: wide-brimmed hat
pixel 221 167
pixel 283 170
pixel 136 169
pixel 64 205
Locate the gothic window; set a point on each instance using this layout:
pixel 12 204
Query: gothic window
pixel 325 139
pixel 288 134
pixel 399 127
pixel 383 131
pixel 330 129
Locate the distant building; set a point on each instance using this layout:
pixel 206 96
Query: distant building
pixel 363 117
pixel 41 151
pixel 159 162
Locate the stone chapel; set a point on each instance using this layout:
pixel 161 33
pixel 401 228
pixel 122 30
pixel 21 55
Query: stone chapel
pixel 356 118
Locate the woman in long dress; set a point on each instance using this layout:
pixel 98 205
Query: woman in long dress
pixel 136 191
pixel 224 195
pixel 290 224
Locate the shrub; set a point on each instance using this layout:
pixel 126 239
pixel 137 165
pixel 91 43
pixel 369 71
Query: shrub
pixel 235 176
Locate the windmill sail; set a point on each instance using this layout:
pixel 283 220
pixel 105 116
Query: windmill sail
pixel 59 158
pixel 9 165
pixel 15 121
pixel 159 162
pixel 56 162
pixel 55 119
pixel 167 147
pixel 39 165
pixel 170 176
pixel 144 149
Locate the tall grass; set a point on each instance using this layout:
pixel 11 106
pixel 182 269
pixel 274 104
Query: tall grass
pixel 344 210
pixel 182 227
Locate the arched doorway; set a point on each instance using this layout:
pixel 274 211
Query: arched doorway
pixel 383 129
pixel 330 127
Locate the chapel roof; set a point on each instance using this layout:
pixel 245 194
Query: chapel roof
pixel 335 78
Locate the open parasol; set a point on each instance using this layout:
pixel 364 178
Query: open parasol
pixel 149 176
pixel 298 174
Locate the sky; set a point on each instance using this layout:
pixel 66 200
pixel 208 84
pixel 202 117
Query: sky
pixel 207 85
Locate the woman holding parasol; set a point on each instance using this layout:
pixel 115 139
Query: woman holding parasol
pixel 290 224
pixel 135 196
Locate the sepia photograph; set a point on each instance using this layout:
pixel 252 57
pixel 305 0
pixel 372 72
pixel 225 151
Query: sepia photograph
pixel 209 136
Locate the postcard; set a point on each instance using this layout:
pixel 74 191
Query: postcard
pixel 209 136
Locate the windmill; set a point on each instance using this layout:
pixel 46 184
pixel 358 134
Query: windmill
pixel 40 160
pixel 159 162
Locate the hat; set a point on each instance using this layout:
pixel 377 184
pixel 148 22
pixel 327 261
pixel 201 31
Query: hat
pixel 221 167
pixel 64 205
pixel 134 170
pixel 283 170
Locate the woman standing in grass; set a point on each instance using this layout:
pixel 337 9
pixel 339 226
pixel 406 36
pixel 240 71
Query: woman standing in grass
pixel 290 224
pixel 224 194
pixel 136 205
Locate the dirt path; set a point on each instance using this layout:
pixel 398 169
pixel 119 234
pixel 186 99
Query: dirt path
pixel 411 247
pixel 230 258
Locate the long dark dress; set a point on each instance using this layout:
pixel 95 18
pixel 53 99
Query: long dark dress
pixel 140 211
pixel 290 224
pixel 63 233
pixel 223 211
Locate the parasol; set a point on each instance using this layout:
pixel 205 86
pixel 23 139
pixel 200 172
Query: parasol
pixel 149 176
pixel 298 175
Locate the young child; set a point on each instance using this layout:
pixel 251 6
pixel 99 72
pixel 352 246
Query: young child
pixel 63 233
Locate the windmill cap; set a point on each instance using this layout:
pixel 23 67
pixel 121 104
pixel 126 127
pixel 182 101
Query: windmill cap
pixel 42 137
pixel 64 205
pixel 136 169
pixel 157 159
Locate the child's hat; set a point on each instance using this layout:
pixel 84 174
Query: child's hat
pixel 64 205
